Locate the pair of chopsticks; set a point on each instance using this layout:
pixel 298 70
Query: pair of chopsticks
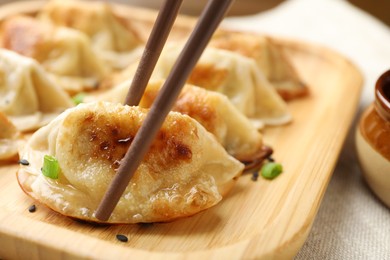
pixel 209 20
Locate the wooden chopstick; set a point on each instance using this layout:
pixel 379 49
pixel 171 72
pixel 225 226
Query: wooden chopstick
pixel 156 41
pixel 209 20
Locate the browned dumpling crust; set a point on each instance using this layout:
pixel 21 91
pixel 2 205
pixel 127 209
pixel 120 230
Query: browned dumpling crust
pixel 211 109
pixel 182 174
pixel 217 114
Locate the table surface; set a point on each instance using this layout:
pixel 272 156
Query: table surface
pixel 351 223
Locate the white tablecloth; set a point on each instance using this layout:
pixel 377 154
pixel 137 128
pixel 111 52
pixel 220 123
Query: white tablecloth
pixel 351 222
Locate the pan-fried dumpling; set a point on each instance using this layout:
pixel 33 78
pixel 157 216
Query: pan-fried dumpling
pixel 235 76
pixel 8 139
pixel 229 73
pixel 268 56
pixel 181 174
pixel 211 109
pixel 218 115
pixel 63 52
pixel 27 96
pixel 112 40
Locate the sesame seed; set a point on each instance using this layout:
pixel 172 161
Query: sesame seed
pixel 122 238
pixel 255 176
pixel 32 208
pixel 24 162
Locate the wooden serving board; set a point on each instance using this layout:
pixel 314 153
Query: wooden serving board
pixel 263 219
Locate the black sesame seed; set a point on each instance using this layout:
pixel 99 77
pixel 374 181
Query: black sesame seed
pixel 255 176
pixel 24 162
pixel 122 238
pixel 32 208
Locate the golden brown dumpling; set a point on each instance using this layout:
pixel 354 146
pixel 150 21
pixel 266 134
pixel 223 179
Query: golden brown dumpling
pixel 27 96
pixel 181 174
pixel 229 73
pixel 8 139
pixel 211 109
pixel 112 40
pixel 217 114
pixel 268 56
pixel 235 76
pixel 63 52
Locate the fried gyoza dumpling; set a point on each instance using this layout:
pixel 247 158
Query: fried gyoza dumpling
pixel 268 56
pixel 112 40
pixel 229 73
pixel 8 139
pixel 63 52
pixel 182 174
pixel 27 96
pixel 211 109
pixel 235 76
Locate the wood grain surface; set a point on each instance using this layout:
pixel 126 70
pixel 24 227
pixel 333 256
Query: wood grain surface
pixel 263 219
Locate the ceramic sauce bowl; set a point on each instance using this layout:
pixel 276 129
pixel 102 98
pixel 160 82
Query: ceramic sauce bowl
pixel 373 140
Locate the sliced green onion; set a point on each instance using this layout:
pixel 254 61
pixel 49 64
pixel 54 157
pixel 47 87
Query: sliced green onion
pixel 50 167
pixel 271 170
pixel 79 98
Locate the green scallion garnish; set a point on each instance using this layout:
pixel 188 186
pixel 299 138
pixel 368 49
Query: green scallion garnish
pixel 79 98
pixel 271 170
pixel 50 167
